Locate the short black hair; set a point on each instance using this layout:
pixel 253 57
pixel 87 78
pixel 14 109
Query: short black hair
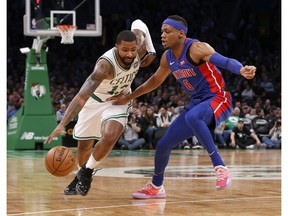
pixel 179 19
pixel 126 35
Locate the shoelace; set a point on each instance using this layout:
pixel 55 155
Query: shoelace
pixel 220 173
pixel 148 188
pixel 95 170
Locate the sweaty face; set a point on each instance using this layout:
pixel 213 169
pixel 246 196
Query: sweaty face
pixel 126 53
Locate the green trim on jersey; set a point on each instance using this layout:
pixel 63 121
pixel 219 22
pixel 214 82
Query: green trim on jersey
pixel 86 138
pixel 96 98
pixel 123 115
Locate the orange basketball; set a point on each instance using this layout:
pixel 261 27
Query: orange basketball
pixel 60 161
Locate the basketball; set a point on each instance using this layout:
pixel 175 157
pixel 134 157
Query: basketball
pixel 60 161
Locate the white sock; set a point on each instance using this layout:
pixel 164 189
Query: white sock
pixel 92 163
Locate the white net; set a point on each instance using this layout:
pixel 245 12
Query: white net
pixel 67 33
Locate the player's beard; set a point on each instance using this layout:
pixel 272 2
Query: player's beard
pixel 126 60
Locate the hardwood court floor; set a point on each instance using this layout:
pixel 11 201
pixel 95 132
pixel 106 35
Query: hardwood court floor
pixel 189 184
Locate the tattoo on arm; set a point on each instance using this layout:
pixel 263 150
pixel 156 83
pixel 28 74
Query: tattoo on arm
pixel 103 70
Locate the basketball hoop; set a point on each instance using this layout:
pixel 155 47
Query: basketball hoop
pixel 67 33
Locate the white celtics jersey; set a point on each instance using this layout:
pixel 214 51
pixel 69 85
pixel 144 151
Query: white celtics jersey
pixel 122 80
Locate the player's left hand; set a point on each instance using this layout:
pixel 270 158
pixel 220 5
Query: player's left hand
pixel 248 71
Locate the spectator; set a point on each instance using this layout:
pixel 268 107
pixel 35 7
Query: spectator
pixel 278 113
pixel 248 93
pixel 15 102
pixel 164 100
pixel 148 122
pixel 260 124
pixel 222 136
pixel 11 106
pixel 130 137
pixel 268 86
pixel 267 106
pixel 60 112
pixel 245 110
pixel 238 105
pixel 242 137
pixel 163 121
pixel 232 120
pixel 142 120
pixel 272 116
pixel 273 140
pixel 173 100
pixel 251 115
pixel 236 92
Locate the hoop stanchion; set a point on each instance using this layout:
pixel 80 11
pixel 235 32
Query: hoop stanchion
pixel 67 33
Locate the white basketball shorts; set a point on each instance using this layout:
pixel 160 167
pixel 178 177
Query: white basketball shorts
pixel 93 114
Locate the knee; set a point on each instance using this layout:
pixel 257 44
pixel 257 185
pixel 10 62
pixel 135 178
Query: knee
pixel 191 118
pixel 163 144
pixel 110 138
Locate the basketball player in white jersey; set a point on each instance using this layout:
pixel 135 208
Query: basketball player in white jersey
pixel 99 120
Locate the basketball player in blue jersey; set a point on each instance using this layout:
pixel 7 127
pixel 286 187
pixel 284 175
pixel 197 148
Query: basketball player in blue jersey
pixel 98 119
pixel 194 65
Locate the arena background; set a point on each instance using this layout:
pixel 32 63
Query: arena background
pixel 118 15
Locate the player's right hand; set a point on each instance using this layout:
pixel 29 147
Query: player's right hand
pixel 60 129
pixel 248 71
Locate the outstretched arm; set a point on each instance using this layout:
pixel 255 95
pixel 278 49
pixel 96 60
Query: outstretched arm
pixel 102 70
pixel 152 83
pixel 203 51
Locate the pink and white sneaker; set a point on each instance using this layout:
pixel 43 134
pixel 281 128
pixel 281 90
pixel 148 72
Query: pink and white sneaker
pixel 150 191
pixel 223 177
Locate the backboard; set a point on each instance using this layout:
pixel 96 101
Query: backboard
pixel 42 16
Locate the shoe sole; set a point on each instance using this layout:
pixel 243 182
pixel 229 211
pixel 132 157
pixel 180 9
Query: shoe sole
pixel 71 192
pixel 144 196
pixel 228 184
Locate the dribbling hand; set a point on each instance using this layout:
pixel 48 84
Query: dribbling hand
pixel 58 130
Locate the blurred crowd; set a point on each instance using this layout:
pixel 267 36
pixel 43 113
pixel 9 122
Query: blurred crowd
pixel 242 29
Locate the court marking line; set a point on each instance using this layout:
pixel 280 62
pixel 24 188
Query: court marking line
pixel 131 205
pixel 239 172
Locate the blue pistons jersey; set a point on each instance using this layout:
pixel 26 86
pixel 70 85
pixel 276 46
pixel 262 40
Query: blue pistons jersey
pixel 201 81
